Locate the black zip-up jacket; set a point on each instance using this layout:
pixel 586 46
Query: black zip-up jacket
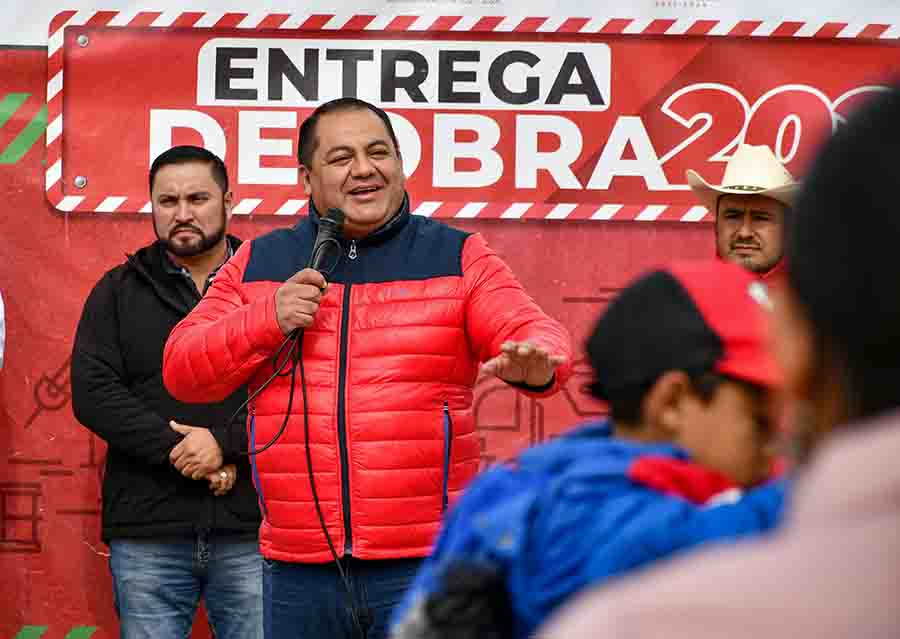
pixel 118 393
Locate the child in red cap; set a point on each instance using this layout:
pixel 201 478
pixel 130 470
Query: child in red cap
pixel 681 357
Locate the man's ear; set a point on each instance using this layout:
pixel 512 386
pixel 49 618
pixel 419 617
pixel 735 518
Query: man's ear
pixel 228 202
pixel 716 225
pixel 400 157
pixel 664 404
pixel 304 177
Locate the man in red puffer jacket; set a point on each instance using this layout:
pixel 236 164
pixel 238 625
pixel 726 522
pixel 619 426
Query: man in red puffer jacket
pixel 391 347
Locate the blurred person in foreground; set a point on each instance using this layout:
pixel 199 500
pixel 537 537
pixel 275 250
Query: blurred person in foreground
pixel 833 570
pixel 681 356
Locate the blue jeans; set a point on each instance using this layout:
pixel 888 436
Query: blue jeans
pixel 157 586
pixel 309 601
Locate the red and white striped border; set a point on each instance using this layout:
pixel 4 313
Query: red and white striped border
pixel 504 211
pixel 412 23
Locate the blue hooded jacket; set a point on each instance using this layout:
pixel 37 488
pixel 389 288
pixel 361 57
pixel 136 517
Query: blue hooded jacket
pixel 582 509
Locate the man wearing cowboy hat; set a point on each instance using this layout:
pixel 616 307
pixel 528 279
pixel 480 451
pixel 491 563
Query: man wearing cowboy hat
pixel 749 208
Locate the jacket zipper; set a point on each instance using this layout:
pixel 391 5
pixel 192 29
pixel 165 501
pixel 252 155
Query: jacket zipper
pixel 342 417
pixel 211 500
pixel 253 469
pixel 448 450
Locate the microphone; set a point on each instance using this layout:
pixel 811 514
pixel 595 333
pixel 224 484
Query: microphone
pixel 331 228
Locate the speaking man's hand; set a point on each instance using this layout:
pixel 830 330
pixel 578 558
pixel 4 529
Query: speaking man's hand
pixel 297 300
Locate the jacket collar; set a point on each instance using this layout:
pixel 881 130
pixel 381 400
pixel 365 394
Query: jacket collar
pixel 382 234
pixel 170 267
pixel 148 264
pixel 772 276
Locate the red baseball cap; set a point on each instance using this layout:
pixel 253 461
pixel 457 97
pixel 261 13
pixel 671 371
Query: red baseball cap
pixel 736 305
pixel 692 316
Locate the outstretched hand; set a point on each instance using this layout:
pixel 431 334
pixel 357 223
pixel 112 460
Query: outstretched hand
pixel 524 363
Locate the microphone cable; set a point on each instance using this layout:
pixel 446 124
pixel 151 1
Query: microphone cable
pixel 291 350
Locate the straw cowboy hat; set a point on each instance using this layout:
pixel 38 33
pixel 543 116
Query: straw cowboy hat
pixel 752 170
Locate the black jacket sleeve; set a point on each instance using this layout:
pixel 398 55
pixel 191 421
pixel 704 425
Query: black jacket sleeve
pixel 233 437
pixel 101 398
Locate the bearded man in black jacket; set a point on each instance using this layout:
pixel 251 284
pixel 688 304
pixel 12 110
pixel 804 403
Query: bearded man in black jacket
pixel 180 513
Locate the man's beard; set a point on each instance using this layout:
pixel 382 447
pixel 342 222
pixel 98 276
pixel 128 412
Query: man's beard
pixel 748 263
pixel 752 264
pixel 193 248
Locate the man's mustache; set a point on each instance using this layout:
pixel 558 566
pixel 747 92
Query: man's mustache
pixel 185 227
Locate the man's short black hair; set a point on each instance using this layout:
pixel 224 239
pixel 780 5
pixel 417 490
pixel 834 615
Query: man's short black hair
pixel 307 140
pixel 842 254
pixel 187 153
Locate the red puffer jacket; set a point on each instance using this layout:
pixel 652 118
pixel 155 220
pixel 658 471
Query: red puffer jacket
pixel 390 362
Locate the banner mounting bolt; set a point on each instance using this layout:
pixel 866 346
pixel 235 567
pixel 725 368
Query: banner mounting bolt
pixel 80 181
pixel 82 40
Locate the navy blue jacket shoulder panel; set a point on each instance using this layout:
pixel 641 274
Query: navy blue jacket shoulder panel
pixel 418 248
pixel 422 249
pixel 278 255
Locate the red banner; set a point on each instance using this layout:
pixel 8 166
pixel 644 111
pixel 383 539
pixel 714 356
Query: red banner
pixel 696 92
pixel 558 126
